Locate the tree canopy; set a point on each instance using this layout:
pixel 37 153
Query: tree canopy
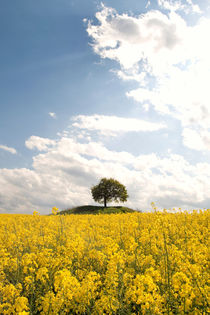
pixel 108 190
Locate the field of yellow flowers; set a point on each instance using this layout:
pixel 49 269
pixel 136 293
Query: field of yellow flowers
pixel 138 263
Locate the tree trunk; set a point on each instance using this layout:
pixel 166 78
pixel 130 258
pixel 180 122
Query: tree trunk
pixel 104 202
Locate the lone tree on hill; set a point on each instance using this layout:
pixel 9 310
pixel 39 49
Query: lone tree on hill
pixel 108 190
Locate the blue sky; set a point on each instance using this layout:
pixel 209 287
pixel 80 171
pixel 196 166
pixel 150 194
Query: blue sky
pixel 114 89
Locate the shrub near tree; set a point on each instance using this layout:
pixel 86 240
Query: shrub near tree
pixel 108 190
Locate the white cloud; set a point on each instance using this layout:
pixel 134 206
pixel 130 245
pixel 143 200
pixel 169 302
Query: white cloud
pixel 8 149
pixel 186 6
pixel 196 139
pixel 162 49
pixel 171 5
pixel 148 4
pixel 41 144
pixel 62 177
pixel 129 39
pixel 111 125
pixel 53 115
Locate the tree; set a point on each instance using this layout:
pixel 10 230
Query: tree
pixel 108 190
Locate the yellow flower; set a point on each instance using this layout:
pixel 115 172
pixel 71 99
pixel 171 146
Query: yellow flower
pixel 136 263
pixel 21 304
pixel 55 210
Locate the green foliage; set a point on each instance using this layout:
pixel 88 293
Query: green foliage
pixel 96 210
pixel 108 190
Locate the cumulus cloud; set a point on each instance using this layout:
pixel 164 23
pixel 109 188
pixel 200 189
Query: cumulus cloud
pixel 196 139
pixel 128 39
pixel 41 144
pixel 8 149
pixel 112 125
pixel 168 58
pixel 53 115
pixel 63 174
pixel 186 6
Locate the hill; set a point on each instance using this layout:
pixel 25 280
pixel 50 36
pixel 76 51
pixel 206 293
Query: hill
pixel 96 210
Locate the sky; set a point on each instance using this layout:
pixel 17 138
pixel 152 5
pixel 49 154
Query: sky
pixel 92 89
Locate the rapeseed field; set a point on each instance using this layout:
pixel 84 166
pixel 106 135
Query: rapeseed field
pixel 136 263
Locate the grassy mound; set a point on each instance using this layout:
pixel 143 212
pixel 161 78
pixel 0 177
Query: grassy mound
pixel 96 210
